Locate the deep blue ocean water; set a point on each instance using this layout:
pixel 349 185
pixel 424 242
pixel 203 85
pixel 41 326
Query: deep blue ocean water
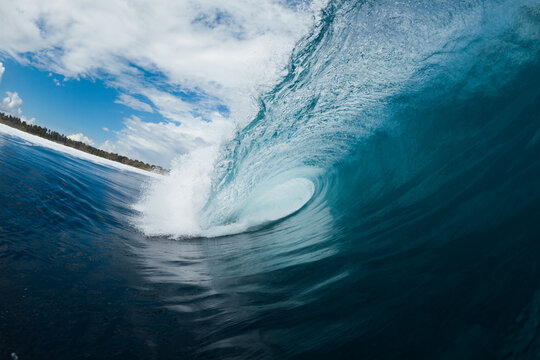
pixel 383 204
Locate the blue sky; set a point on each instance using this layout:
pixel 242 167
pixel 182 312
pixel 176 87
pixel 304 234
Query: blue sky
pixel 72 106
pixel 163 78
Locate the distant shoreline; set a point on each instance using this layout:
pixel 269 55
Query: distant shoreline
pixel 63 140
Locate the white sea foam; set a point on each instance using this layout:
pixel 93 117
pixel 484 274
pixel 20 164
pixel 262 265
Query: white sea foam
pixel 36 140
pixel 172 205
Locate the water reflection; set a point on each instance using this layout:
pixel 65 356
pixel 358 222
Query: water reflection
pixel 224 285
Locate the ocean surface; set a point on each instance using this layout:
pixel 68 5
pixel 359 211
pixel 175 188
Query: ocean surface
pixel 384 203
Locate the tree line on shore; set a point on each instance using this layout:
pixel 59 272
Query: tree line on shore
pixel 64 140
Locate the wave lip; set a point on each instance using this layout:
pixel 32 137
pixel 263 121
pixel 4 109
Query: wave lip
pixel 278 202
pixel 266 205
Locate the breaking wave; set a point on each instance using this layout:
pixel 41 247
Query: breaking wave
pixel 378 100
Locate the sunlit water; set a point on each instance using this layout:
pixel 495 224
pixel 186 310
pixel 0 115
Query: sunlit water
pixel 383 204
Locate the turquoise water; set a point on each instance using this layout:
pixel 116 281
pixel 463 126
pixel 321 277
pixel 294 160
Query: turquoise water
pixel 383 204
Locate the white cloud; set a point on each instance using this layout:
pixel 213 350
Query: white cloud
pixel 31 121
pixel 220 52
pixel 82 138
pixel 105 129
pixel 133 103
pixel 161 142
pixel 12 104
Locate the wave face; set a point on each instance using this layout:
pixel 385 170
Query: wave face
pixel 389 88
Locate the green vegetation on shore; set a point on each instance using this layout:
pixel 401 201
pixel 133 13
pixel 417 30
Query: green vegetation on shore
pixel 63 140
